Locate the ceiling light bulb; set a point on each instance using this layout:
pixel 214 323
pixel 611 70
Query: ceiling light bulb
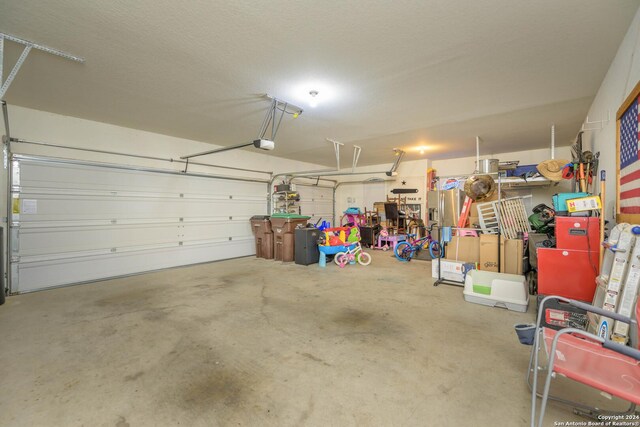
pixel 421 151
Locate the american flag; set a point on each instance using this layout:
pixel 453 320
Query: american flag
pixel 629 164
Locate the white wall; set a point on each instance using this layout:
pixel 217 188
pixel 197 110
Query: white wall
pixel 413 173
pixel 52 128
pixel 41 126
pixel 621 78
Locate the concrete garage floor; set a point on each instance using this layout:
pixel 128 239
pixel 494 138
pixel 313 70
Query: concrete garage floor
pixel 256 342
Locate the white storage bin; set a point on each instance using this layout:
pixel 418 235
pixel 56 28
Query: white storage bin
pixel 497 290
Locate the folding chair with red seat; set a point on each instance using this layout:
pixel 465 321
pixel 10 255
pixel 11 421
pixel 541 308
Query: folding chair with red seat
pixel 600 363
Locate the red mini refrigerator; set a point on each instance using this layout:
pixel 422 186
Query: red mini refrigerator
pixel 570 269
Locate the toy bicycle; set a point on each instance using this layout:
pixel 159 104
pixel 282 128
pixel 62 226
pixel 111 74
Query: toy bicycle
pixel 353 253
pixel 406 250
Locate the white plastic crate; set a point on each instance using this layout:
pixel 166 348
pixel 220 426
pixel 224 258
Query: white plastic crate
pixel 508 291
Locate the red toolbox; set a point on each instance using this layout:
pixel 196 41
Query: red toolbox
pixel 568 273
pixel 581 233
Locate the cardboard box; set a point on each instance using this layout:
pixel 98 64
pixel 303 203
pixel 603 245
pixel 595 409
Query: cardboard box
pixel 466 249
pixel 584 204
pixel 450 270
pixel 512 252
pixel 488 252
pixel 510 260
pixel 474 220
pixel 473 210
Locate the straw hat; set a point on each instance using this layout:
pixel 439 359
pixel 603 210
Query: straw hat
pixel 552 169
pixel 479 187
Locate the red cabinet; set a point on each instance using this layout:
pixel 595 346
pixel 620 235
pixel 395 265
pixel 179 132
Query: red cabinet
pixel 581 233
pixel 567 272
pixel 571 268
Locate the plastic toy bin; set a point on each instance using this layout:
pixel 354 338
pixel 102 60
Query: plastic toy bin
pixel 261 227
pixel 496 290
pixel 283 226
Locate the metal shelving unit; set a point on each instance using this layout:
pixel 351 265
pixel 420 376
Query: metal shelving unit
pixel 285 202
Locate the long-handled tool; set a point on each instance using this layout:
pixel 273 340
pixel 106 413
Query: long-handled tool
pixel 587 158
pixel 603 187
pixel 582 180
pixel 594 169
pixel 578 167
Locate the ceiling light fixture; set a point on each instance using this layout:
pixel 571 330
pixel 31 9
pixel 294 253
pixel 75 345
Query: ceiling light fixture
pixel 313 103
pixel 421 148
pixel 313 92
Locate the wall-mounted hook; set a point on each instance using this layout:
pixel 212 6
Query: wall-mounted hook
pixel 598 124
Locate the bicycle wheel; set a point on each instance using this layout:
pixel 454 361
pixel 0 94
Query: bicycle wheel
pixel 338 256
pixel 434 250
pixel 363 258
pixel 344 260
pixel 403 251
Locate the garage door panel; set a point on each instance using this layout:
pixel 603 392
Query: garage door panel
pixel 53 240
pixel 42 241
pixel 216 230
pixel 36 174
pixel 76 221
pixel 316 202
pixel 37 275
pixel 92 207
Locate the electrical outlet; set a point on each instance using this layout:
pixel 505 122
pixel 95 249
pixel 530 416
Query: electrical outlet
pixel 351 199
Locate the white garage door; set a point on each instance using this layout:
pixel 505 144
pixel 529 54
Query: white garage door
pixel 316 202
pixel 74 222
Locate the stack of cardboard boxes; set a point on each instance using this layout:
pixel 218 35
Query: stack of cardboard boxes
pixel 482 251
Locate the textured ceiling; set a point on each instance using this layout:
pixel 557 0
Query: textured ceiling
pixel 390 74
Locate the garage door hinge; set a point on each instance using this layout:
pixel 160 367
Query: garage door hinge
pixel 230 218
pixel 113 221
pixel 231 197
pixel 230 238
pixel 15 259
pixel 179 243
pixel 113 250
